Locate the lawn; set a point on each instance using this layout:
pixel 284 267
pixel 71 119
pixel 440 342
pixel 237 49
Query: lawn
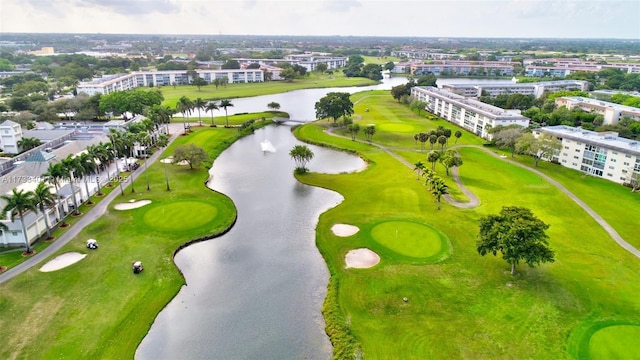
pixel 209 92
pixel 96 308
pixel 464 305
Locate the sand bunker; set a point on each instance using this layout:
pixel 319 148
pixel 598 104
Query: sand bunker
pixel 344 230
pixel 361 259
pixel 62 261
pixel 183 162
pixel 167 160
pixel 132 205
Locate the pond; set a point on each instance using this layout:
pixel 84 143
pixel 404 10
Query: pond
pixel 256 292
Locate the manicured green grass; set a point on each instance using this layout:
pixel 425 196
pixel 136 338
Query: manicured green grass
pixel 410 239
pixel 209 92
pixel 97 308
pixel 380 59
pixel 615 342
pixel 464 306
pixel 233 119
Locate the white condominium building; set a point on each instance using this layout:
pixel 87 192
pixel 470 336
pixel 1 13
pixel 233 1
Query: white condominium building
pixel 473 115
pixel 612 112
pixel 123 82
pixel 536 89
pixel 605 154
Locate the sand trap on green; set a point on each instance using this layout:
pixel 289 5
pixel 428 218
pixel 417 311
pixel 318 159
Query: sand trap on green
pixel 180 215
pixel 344 230
pixel 62 261
pixel 361 259
pixel 408 238
pixel 132 205
pixel 615 342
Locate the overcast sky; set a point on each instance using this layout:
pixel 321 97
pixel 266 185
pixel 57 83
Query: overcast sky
pixel 439 18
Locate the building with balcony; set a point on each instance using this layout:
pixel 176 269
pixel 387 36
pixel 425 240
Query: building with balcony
pixel 473 115
pixel 537 89
pixel 611 112
pixel 604 155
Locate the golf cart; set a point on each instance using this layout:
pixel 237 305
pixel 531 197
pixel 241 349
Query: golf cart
pixel 92 244
pixel 137 267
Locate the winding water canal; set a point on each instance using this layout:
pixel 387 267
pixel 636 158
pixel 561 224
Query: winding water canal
pixel 256 292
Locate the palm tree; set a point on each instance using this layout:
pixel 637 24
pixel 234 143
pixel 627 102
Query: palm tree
pixel 199 104
pixel 225 103
pixel 129 140
pixel 54 173
pixel 184 106
pixel 28 143
pixel 457 134
pixel 419 168
pixel 117 146
pixel 18 203
pixel 438 189
pixel 432 157
pixel 86 167
pixel 212 105
pixel 72 168
pixel 43 199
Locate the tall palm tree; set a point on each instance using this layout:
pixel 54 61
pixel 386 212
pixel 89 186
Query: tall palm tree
pixel 28 143
pixel 212 105
pixel 18 203
pixel 225 103
pixel 43 199
pixel 72 168
pixel 130 139
pixel 199 104
pixel 116 137
pixel 438 189
pixel 184 106
pixel 86 167
pixel 55 172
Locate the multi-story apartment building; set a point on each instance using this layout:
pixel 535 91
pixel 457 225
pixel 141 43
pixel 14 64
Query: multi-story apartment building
pixel 536 89
pixel 604 155
pixel 310 61
pixel 472 115
pixel 562 69
pixel 122 82
pixel 612 112
pixel 493 68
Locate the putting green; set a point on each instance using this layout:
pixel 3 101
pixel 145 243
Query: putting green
pixel 393 127
pixel 409 238
pixel 180 215
pixel 615 342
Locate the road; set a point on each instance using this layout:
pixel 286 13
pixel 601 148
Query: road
pixel 92 215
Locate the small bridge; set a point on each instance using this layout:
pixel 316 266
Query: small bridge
pixel 280 120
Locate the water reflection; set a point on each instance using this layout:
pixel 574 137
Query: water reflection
pixel 257 291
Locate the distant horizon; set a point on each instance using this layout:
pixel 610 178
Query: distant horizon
pixel 519 19
pixel 320 36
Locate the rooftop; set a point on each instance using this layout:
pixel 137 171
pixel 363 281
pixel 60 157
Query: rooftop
pixel 609 140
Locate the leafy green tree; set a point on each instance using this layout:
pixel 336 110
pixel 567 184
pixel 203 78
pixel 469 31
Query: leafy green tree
pixel 288 74
pixel 389 66
pixel 28 143
pixel 273 106
pixel 516 233
pixel 458 135
pixel 191 153
pixel 334 105
pixel 432 157
pixel 507 136
pixel 321 67
pixel 301 154
pixel 226 103
pixel 353 130
pixel 231 64
pixel 199 82
pixel 398 91
pixel 423 138
pixel 433 139
pixel 419 105
pixel 442 140
pixel 544 146
pixel 369 131
pixel 450 159
pixel 17 204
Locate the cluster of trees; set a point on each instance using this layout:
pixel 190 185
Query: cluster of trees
pixel 440 135
pixel 403 92
pixel 334 105
pixel 186 106
pixel 353 129
pixel 517 140
pixel 435 184
pixel 134 102
pixel 290 72
pixel 356 68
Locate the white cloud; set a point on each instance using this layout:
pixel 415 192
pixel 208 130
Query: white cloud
pixel 440 18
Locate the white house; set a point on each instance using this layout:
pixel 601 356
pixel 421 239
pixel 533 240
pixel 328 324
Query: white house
pixel 10 135
pixel 612 112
